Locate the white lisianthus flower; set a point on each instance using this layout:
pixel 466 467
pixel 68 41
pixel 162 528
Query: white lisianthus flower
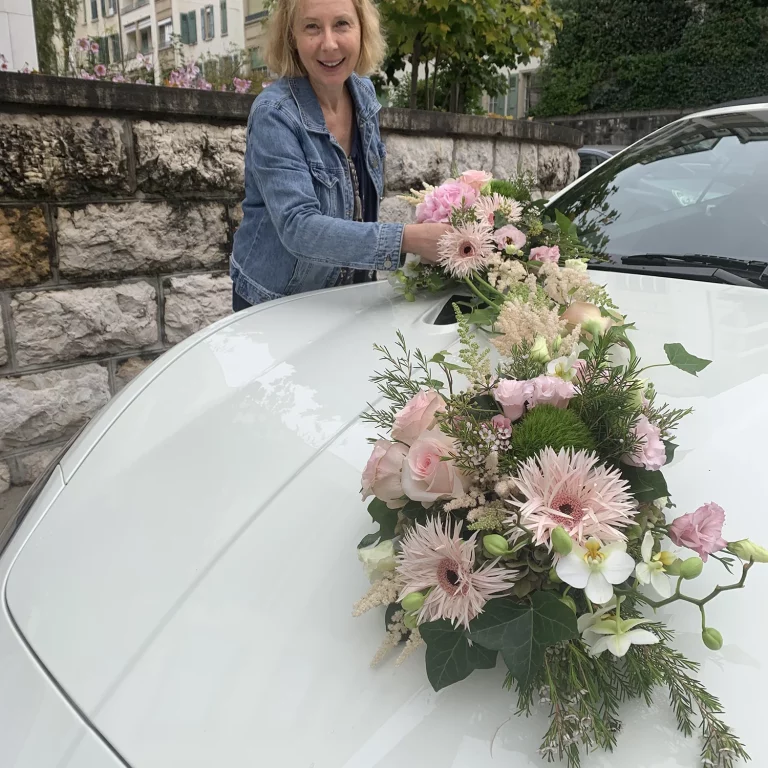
pixel 596 568
pixel 651 570
pixel 577 264
pixel 378 560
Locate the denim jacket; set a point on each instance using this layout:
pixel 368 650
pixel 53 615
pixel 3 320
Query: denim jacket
pixel 297 229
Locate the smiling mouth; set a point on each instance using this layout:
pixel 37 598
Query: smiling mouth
pixel 331 65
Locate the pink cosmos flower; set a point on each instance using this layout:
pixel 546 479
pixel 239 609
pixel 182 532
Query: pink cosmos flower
pixel 241 86
pixel 382 476
pixel 650 452
pixel 83 44
pixel 428 472
pixel 552 390
pixel 513 396
pixel 573 490
pixel 701 530
pixel 545 254
pixel 417 416
pixel 100 70
pixel 437 559
pixel 507 235
pixel 439 204
pixel 475 179
pixel 94 46
pixel 465 250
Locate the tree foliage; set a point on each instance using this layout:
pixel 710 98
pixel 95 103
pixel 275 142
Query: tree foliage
pixel 654 54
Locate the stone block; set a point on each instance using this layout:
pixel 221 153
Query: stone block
pixel 130 368
pixel 3 347
pixel 5 477
pixel 189 158
pixel 61 156
pixel 529 160
pixel 396 211
pixel 44 407
pixel 193 302
pixel 474 154
pixel 413 160
pixel 507 159
pixel 29 466
pixel 54 326
pixel 139 238
pixel 235 216
pixel 556 167
pixel 24 247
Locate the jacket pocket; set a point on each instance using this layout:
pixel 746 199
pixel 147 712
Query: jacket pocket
pixel 326 188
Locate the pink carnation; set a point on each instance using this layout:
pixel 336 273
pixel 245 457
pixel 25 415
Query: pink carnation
pixel 700 531
pixel 545 254
pixel 552 390
pixel 438 205
pixel 650 452
pixel 509 234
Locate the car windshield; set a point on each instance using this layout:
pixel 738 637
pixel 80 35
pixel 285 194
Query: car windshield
pixel 696 187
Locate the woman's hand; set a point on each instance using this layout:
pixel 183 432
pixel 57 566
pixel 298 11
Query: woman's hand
pixel 422 239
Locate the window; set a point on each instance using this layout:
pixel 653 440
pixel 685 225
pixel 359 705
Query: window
pixel 145 38
pixel 115 54
pixel 94 9
pixel 223 13
pixel 189 28
pixel 257 62
pixel 512 97
pixel 206 22
pixel 130 37
pixel 165 33
pixel 102 57
pixel 108 8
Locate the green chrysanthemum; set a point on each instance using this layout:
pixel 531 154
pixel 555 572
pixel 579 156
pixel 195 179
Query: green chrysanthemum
pixel 548 427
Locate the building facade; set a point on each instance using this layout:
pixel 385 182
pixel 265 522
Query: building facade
pixel 17 34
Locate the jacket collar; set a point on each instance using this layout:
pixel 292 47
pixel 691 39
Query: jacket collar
pixel 366 105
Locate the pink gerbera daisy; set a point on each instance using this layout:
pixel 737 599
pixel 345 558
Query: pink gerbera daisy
pixel 487 205
pixel 437 559
pixel 573 490
pixel 465 250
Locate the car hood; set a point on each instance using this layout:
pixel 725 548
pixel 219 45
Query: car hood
pixel 191 587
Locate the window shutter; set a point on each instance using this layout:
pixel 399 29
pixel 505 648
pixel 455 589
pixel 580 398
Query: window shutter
pixel 103 8
pixel 203 26
pixel 224 21
pixel 192 27
pixel 212 27
pixel 184 28
pixel 94 9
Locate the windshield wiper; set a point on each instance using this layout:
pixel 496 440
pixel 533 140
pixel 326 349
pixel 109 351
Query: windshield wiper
pixel 759 268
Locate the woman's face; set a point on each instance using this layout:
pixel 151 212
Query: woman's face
pixel 327 34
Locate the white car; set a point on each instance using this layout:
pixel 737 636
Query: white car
pixel 177 590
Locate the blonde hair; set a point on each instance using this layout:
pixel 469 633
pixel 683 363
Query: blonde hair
pixel 281 55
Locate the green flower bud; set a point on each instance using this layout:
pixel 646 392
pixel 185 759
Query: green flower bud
pixel 748 550
pixel 673 569
pixel 410 620
pixel 593 327
pixel 561 541
pixel 495 545
pixel 539 351
pixel 634 532
pixel 712 639
pixel 553 577
pixel 413 602
pixel 569 601
pixel 691 568
pixel 556 344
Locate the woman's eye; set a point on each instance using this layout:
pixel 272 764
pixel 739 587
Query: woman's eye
pixel 342 24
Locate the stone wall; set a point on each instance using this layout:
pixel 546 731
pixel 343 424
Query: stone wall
pixel 118 205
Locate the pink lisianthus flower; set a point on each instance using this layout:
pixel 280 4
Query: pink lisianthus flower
pixel 475 179
pixel 438 205
pixel 700 531
pixel 650 453
pixel 546 255
pixel 509 234
pixel 417 416
pixel 552 390
pixel 382 476
pixel 514 396
pixel 501 423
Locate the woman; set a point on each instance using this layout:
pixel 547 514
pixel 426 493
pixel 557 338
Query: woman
pixel 314 161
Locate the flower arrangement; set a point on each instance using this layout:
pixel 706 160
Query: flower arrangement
pixel 522 509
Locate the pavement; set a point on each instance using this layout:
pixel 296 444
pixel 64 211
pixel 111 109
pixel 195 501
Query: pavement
pixel 9 501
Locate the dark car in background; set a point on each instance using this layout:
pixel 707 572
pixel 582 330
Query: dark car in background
pixel 591 157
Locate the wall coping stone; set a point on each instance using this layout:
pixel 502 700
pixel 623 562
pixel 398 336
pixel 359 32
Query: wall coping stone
pixel 43 93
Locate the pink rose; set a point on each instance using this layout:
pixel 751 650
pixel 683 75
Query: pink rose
pixel 382 476
pixel 513 396
pixel 552 390
pixel 700 531
pixel 426 476
pixel 545 254
pixel 475 179
pixel 418 415
pixel 509 234
pixel 438 205
pixel 650 453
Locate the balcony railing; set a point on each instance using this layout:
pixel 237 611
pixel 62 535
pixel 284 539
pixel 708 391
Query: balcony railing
pixel 132 6
pixel 256 16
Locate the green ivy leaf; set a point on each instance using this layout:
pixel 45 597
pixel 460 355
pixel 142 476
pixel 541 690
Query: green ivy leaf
pixel 563 222
pixel 485 316
pixel 669 450
pixel 645 484
pixel 685 361
pixel 522 631
pixel 387 520
pixel 450 657
pixel 414 510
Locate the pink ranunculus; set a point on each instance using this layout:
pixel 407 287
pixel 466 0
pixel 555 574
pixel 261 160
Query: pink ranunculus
pixel 545 254
pixel 650 452
pixel 700 531
pixel 475 179
pixel 427 476
pixel 513 396
pixel 501 423
pixel 417 416
pixel 439 203
pixel 509 234
pixel 382 476
pixel 552 390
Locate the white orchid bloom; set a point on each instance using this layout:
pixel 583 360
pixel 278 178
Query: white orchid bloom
pixel 617 635
pixel 564 367
pixel 586 621
pixel 596 568
pixel 651 570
